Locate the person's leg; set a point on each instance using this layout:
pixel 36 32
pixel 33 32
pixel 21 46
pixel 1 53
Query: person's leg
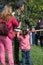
pixel 33 38
pixel 23 57
pixel 16 50
pixel 30 37
pixel 41 41
pixel 2 53
pixel 28 57
pixel 36 39
pixel 8 45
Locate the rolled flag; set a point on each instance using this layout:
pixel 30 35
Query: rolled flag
pixel 13 13
pixel 17 29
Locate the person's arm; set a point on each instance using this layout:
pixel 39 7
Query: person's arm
pixel 19 36
pixel 15 22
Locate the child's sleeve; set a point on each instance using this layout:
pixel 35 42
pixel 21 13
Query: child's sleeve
pixel 19 36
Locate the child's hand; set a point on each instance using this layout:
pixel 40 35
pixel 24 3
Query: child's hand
pixel 15 33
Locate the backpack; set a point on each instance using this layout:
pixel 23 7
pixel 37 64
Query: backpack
pixel 4 29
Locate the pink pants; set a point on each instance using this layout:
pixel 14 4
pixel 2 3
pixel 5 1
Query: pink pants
pixel 6 43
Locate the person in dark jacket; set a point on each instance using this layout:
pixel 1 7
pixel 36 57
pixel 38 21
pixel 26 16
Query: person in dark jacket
pixel 40 33
pixel 19 5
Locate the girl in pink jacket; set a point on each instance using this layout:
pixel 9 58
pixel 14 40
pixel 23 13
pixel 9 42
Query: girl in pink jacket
pixel 25 46
pixel 6 41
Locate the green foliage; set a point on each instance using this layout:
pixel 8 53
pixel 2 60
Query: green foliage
pixel 33 9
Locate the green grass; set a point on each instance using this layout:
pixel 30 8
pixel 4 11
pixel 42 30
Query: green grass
pixel 36 53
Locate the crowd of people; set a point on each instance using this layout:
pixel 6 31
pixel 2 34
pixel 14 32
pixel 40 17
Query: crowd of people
pixel 20 36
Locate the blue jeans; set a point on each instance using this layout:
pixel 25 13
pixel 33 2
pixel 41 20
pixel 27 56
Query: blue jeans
pixel 33 37
pixel 26 53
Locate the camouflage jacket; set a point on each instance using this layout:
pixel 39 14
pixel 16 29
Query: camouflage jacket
pixel 21 17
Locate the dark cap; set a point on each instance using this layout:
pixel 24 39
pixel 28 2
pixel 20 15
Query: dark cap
pixel 18 4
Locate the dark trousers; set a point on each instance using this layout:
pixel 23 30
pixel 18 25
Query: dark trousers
pixel 16 50
pixel 36 39
pixel 26 55
pixel 41 41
